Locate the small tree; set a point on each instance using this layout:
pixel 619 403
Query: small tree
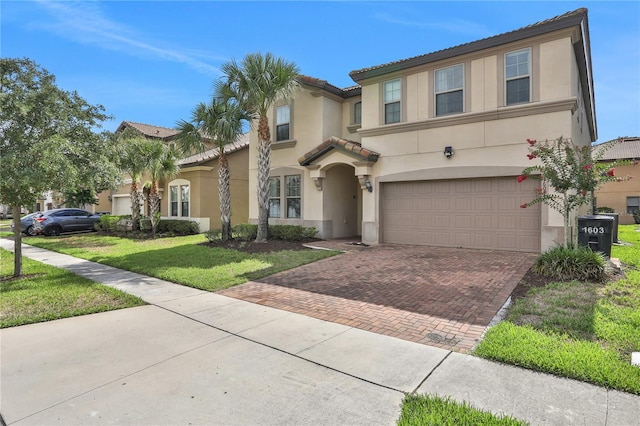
pixel 134 160
pixel 569 176
pixel 221 120
pixel 256 84
pixel 162 164
pixel 47 141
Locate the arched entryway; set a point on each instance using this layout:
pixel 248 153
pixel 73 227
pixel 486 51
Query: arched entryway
pixel 342 201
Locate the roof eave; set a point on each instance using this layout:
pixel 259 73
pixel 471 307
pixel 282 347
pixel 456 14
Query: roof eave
pixel 474 46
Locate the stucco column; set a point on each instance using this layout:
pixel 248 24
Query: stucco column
pixel 369 185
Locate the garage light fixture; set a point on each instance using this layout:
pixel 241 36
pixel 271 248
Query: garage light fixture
pixel 448 151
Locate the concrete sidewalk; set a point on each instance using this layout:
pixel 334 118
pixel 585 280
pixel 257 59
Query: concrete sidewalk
pixel 194 357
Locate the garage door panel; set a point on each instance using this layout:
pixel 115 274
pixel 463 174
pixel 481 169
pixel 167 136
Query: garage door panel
pixel 482 203
pixel 442 204
pixel 463 204
pixel 483 221
pixel 463 222
pixel 398 220
pixel 473 213
pixel 424 204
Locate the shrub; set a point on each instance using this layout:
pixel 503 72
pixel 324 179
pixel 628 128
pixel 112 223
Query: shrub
pixel 573 263
pixel 291 232
pixel 605 210
pixel 145 224
pixel 636 216
pixel 213 235
pixel 245 232
pixel 109 223
pixel 178 227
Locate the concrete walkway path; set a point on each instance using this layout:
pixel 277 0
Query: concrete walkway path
pixel 194 357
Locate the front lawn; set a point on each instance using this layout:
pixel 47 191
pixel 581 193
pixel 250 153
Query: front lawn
pixel 431 410
pixel 46 293
pixel 583 331
pixel 182 260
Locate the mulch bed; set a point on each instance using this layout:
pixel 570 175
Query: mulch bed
pixel 253 247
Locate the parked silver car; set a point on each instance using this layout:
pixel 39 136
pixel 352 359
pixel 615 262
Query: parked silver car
pixel 57 221
pixel 26 224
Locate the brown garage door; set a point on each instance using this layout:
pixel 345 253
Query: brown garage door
pixel 472 213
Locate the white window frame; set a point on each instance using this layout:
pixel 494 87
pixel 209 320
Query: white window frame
pixel 180 186
pixel 274 197
pixel 288 196
pixel 517 77
pixel 448 90
pixel 283 195
pixel 393 100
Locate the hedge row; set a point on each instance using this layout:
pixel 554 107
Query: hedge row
pixel 248 232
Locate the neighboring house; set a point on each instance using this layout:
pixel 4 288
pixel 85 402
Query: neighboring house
pixel 193 194
pixel 426 150
pixel 624 196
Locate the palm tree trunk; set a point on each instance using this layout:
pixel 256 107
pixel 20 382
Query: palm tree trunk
pixel 224 191
pixel 154 207
pixel 264 166
pixel 135 206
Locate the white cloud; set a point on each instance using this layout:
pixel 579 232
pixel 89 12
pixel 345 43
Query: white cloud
pixel 458 26
pixel 84 22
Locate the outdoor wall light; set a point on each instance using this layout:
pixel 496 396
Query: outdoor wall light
pixel 448 151
pixel 367 184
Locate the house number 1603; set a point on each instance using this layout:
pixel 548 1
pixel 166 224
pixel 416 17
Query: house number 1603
pixel 593 229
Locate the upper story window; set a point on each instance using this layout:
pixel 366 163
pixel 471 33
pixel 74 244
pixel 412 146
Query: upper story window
pixel 392 98
pixel 518 76
pixel 283 119
pixel 179 198
pixel 357 113
pixel 449 84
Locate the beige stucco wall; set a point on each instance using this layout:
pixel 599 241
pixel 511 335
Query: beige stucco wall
pixel 614 194
pixel 205 202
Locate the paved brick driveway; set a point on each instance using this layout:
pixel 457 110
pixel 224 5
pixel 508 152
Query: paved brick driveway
pixel 441 297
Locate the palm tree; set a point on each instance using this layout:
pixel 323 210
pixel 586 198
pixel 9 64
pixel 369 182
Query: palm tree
pixel 222 121
pixel 133 160
pixel 256 84
pixel 162 164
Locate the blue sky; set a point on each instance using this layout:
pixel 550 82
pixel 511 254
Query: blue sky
pixel 153 61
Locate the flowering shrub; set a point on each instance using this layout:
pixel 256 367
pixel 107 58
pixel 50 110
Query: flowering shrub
pixel 568 174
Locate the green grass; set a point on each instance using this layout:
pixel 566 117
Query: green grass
pixel 181 260
pixel 430 410
pixel 46 293
pixel 584 331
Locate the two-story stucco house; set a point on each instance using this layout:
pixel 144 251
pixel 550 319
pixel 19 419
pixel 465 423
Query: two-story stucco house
pixel 426 150
pixel 193 193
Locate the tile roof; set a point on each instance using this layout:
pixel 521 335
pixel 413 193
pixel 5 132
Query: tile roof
pixel 623 148
pixel 350 147
pixel 148 130
pixel 566 20
pixel 213 153
pixel 325 85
